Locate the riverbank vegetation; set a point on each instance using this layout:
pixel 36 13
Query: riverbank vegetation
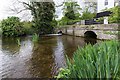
pixel 28 26
pixel 35 37
pixel 43 16
pixel 72 13
pixel 98 61
pixel 43 20
pixel 115 16
pixel 12 27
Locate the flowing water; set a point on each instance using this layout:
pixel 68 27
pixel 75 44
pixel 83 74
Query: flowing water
pixel 36 60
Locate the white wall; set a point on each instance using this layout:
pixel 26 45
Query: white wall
pixel 101 5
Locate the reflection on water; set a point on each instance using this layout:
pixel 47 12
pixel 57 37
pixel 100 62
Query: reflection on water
pixel 90 41
pixel 41 59
pixel 14 58
pixel 11 47
pixel 59 54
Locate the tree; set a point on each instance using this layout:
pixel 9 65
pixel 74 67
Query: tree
pixel 89 11
pixel 86 14
pixel 92 6
pixel 42 14
pixel 71 10
pixel 27 25
pixel 114 17
pixel 12 27
pixel 71 13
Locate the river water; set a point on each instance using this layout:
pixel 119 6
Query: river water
pixel 36 60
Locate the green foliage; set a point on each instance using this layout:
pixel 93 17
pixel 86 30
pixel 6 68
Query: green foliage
pixel 92 7
pixel 54 23
pixel 86 14
pixel 63 21
pixel 43 14
pixel 98 61
pixel 35 38
pixel 89 12
pixel 12 27
pixel 115 16
pixel 71 10
pixel 27 25
pixel 0 31
pixel 101 19
pixel 63 73
pixel 18 42
pixel 71 13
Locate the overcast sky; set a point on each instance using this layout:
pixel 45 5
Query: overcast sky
pixel 5 11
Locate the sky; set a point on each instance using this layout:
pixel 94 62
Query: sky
pixel 7 5
pixel 3 8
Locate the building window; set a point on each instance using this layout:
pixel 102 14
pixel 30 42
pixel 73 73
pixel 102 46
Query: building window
pixel 106 2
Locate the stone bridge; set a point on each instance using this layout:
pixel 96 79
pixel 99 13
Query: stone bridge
pixel 102 31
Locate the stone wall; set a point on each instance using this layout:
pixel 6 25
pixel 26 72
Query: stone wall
pixel 103 31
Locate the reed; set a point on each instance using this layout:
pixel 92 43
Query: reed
pixel 98 61
pixel 18 42
pixel 35 38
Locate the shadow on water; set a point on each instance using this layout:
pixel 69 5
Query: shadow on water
pixel 90 41
pixel 42 59
pixel 90 37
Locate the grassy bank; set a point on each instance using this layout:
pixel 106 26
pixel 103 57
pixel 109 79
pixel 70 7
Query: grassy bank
pixel 98 61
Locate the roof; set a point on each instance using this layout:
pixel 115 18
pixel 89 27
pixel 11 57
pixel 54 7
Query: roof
pixel 102 14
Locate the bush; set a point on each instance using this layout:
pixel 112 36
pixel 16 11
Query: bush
pixel 98 61
pixel 12 27
pixel 28 27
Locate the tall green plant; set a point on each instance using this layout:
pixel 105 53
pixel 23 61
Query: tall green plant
pixel 35 38
pixel 98 61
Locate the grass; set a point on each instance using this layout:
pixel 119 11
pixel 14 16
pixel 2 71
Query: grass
pixel 98 61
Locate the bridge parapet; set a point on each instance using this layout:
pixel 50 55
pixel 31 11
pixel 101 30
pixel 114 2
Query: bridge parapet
pixel 103 31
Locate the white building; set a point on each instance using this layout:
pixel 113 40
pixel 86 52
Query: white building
pixel 106 4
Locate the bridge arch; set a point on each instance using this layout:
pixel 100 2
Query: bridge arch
pixel 90 34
